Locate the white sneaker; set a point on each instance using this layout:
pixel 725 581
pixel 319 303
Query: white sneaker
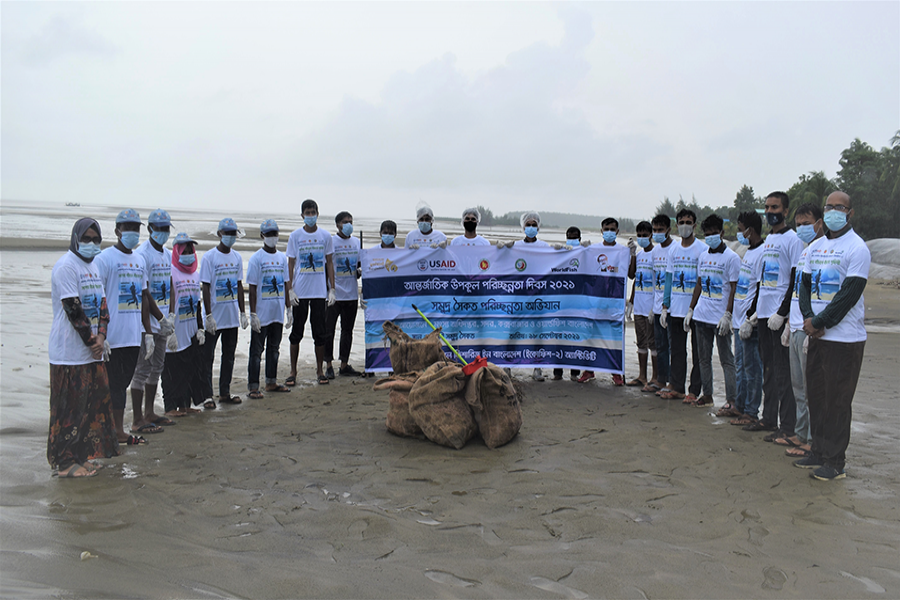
pixel 537 375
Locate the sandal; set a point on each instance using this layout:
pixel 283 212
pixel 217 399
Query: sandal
pixel 798 452
pixel 671 395
pixel 281 389
pixel 743 420
pixel 650 388
pixel 786 441
pixel 776 435
pixel 135 440
pixel 230 400
pixel 291 381
pixel 618 380
pixel 635 383
pixel 727 411
pixel 255 395
pixel 163 421
pixel 148 428
pixel 704 401
pixel 209 404
pixel 323 380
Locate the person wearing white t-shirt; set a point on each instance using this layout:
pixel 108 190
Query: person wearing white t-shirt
pixel 267 275
pixel 781 251
pixel 471 218
pixel 573 240
pixel 346 289
pixel 150 363
pixel 425 234
pixel 221 275
pixel 718 269
pixel 662 240
pixel 80 427
pixel 642 291
pixel 681 275
pixel 834 310
pixel 310 253
pixel 531 225
pixel 124 276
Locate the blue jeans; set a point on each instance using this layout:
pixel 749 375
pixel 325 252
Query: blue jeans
pixel 748 373
pixel 708 334
pixel 662 352
pixel 269 337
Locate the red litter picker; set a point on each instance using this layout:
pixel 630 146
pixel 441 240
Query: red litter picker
pixel 468 368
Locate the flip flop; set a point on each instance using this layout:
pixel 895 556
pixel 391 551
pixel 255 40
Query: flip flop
pixel 635 383
pixel 797 452
pixel 164 421
pixel 664 390
pixel 742 421
pixel 704 401
pixel 230 400
pixel 135 440
pixel 786 441
pixel 148 428
pixel 281 389
pixel 323 380
pixel 291 381
pixel 209 404
pixel 672 395
pixel 255 395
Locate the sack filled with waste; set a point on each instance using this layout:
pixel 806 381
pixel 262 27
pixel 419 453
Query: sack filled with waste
pixel 399 421
pixel 408 354
pixel 438 405
pixel 495 405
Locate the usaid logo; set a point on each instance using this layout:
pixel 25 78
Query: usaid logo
pixel 436 265
pixel 423 265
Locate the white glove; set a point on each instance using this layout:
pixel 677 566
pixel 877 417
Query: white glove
pixel 786 337
pixel 106 351
pixel 413 246
pixel 437 245
pixel 664 317
pixel 167 325
pixel 254 322
pixel 363 303
pixel 806 345
pixel 687 319
pixel 629 310
pixel 585 243
pixel 172 342
pixel 332 297
pixel 149 346
pixel 559 246
pixel 244 321
pixel 295 301
pixel 632 246
pixel 725 328
pixel 289 319
pixel 210 324
pixel 746 330
pixel 775 322
pixel 754 320
pixel 201 336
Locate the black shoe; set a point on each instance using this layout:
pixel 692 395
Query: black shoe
pixel 329 373
pixel 827 473
pixel 349 371
pixel 810 462
pixel 759 426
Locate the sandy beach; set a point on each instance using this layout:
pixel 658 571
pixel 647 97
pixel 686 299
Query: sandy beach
pixel 606 492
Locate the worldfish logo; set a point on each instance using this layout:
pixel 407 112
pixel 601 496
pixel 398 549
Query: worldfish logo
pixel 521 265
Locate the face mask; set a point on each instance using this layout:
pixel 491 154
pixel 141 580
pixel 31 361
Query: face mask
pixel 609 237
pixel 743 241
pixel 130 239
pixel 229 240
pixel 643 242
pixel 187 259
pixel 713 241
pixel 88 250
pixel 424 226
pixel 347 229
pixel 573 243
pixel 310 221
pixel 659 238
pixel 685 230
pixel 387 239
pixel 160 237
pixel 531 232
pixel 774 219
pixel 470 226
pixel 270 241
pixel 835 220
pixel 807 233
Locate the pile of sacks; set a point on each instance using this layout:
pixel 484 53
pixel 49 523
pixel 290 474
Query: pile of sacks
pixel 432 398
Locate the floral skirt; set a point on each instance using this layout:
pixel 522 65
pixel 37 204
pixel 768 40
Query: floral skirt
pixel 81 420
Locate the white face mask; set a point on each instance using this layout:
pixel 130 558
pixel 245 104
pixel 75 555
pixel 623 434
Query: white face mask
pixel 685 230
pixel 270 241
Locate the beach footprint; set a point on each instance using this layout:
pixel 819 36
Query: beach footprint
pixel 449 578
pixel 548 585
pixel 775 578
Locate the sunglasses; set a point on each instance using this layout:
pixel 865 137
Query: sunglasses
pixel 91 239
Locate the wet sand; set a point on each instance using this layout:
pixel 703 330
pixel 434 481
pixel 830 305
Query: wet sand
pixel 606 492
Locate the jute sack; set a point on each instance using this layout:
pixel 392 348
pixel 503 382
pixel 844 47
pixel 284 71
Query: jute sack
pixel 399 421
pixel 408 354
pixel 495 404
pixel 437 404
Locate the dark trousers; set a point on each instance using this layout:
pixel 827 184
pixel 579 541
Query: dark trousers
pixel 314 308
pixel 662 352
pixel 559 373
pixel 183 379
pixel 268 338
pixel 832 371
pixel 122 362
pixel 778 391
pixel 346 310
pixel 226 367
pixel 678 350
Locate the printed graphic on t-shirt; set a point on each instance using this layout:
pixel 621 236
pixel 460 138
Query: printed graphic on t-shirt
pixel 711 286
pixel 310 260
pixel 643 281
pixel 226 289
pixel 660 279
pixel 187 306
pixel 683 279
pixel 159 291
pixel 743 283
pixel 769 273
pixel 343 266
pixel 90 304
pixel 825 283
pixel 272 285
pixel 129 296
pixel 798 275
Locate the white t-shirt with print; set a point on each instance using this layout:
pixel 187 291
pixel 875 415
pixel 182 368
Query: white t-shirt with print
pixel 781 251
pixel 268 271
pixel 644 291
pixel 534 244
pixel 660 256
pixel 796 317
pixel 159 269
pixel 462 240
pixel 346 260
pixel 416 237
pixel 829 262
pixel 745 292
pixel 188 301
pixel 716 272
pixel 73 278
pixel 223 272
pixel 683 267
pixel 309 251
pixel 124 279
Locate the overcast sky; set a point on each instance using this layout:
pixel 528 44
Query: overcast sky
pixel 600 108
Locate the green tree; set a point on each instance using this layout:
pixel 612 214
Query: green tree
pixel 747 200
pixel 666 208
pixel 487 216
pixel 813 188
pixel 870 178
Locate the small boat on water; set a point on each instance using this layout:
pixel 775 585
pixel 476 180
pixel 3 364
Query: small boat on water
pixel 72 204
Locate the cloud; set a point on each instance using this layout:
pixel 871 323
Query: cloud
pixel 61 37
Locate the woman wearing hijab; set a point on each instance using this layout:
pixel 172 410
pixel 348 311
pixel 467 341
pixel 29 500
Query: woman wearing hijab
pixel 182 376
pixel 81 422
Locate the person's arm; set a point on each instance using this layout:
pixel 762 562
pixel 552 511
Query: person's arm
pixel 845 299
pixel 252 298
pixel 733 286
pixel 206 301
pixel 632 267
pixel 695 297
pixel 172 297
pixel 667 294
pixel 329 271
pixel 145 310
pixel 75 313
pixel 803 296
pixel 752 309
pixel 152 307
pixel 240 289
pixel 632 294
pixel 785 308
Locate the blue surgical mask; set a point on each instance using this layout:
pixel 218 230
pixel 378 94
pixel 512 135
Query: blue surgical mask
pixel 310 221
pixel 424 226
pixel 160 237
pixel 659 238
pixel 573 243
pixel 531 231
pixel 807 233
pixel 713 241
pixel 187 259
pixel 643 242
pixel 835 220
pixel 229 240
pixel 743 240
pixel 89 249
pixel 387 239
pixel 609 237
pixel 130 239
pixel 347 229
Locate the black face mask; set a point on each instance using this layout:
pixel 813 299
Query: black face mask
pixel 774 219
pixel 470 226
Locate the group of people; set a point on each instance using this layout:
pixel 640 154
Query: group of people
pixel 792 304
